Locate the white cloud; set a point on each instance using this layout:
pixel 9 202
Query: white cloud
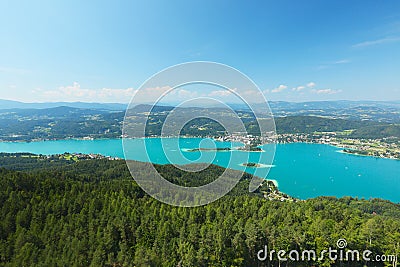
pixel 377 42
pixel 219 93
pixel 311 84
pixel 75 92
pixel 342 61
pixel 326 91
pixel 298 88
pixel 182 93
pixel 279 89
pixel 154 94
pixel 303 90
pixel 302 87
pixel 239 96
pixel 108 92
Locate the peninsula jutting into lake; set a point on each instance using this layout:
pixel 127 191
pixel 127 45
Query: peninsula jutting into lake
pixel 200 133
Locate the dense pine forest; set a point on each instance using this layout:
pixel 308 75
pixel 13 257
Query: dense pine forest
pixel 92 213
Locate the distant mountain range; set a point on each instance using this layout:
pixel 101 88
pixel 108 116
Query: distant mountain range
pixel 10 104
pixel 275 105
pixel 384 111
pixel 27 122
pixel 338 104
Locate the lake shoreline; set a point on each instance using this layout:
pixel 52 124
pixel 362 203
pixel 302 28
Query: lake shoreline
pixel 304 170
pixel 333 144
pixel 343 151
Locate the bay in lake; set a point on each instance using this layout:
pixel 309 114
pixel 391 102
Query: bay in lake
pixel 301 170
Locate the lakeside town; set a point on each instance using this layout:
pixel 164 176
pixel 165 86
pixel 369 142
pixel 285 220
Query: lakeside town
pixel 383 147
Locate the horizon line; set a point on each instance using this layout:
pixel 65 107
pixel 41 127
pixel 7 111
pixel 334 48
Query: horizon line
pixel 127 103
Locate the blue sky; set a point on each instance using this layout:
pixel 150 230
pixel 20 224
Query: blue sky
pixel 293 50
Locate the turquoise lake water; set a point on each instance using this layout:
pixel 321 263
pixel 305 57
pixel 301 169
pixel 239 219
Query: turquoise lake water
pixel 301 170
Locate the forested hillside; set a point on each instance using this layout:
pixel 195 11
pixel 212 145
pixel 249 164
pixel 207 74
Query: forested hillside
pixel 310 124
pixel 91 213
pixel 67 122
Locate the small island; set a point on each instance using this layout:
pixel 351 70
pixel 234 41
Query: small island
pixel 224 149
pixel 252 165
pixel 256 165
pixel 251 149
pixel 209 149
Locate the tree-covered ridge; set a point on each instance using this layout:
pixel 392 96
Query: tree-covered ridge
pixel 66 122
pixel 91 213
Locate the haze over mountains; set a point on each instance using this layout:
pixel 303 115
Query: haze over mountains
pixel 38 121
pixel 278 105
pixel 382 111
pixel 11 104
